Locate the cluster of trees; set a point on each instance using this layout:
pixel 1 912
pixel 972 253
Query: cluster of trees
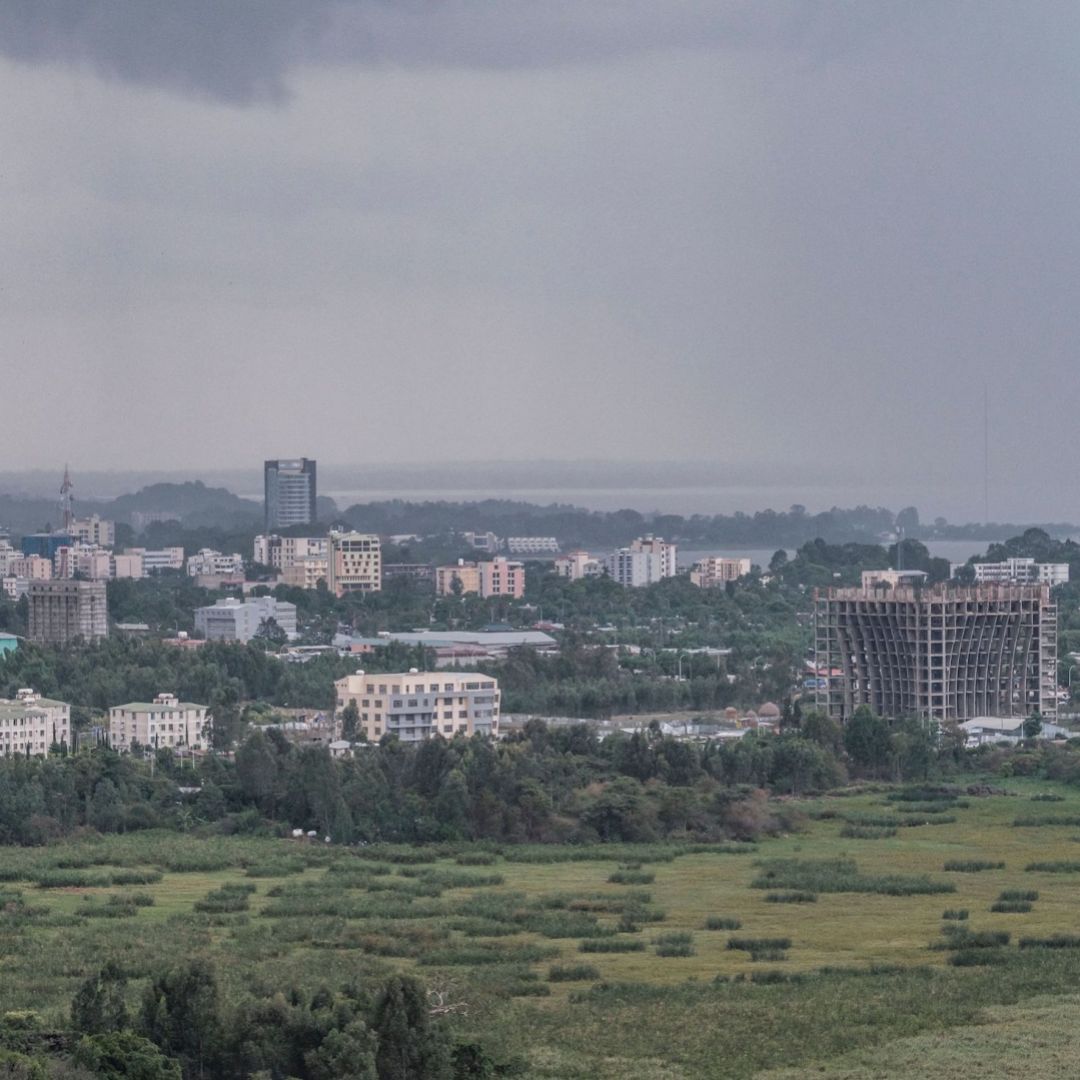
pixel 545 785
pixel 185 1028
pixel 95 677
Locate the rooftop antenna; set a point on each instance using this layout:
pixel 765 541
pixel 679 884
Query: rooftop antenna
pixel 66 511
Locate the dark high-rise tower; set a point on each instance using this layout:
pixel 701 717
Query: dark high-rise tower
pixel 290 492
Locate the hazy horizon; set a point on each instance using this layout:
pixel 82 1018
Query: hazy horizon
pixel 681 487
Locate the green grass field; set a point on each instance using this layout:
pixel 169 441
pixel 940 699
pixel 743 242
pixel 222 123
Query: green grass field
pixel 582 976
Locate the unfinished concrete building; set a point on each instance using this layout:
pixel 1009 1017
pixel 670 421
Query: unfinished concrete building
pixel 938 653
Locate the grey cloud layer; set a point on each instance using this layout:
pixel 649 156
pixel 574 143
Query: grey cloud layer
pixel 244 51
pixel 794 235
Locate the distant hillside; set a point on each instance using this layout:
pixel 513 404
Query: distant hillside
pixel 193 503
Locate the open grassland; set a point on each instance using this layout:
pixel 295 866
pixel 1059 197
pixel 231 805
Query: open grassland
pixel 631 961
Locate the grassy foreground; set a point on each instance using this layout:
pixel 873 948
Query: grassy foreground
pixel 647 962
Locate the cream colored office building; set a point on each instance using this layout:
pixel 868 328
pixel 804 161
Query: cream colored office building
pixel 354 563
pixel 163 722
pixel 30 725
pixel 416 705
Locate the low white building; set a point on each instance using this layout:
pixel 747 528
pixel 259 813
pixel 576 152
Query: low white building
pixel 1010 729
pixel 717 570
pixel 31 724
pixel 163 722
pixel 576 565
pixel 1021 571
pixel 210 563
pixel 154 561
pixel 532 545
pixel 240 620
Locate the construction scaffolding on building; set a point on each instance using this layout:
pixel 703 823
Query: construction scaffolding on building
pixel 941 653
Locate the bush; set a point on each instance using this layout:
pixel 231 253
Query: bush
pixel 1055 941
pixel 610 945
pixel 1061 866
pixel 797 897
pixel 961 937
pixel 721 922
pixel 750 945
pixel 572 973
pixel 1018 894
pixel 1011 907
pixel 674 950
pixel 136 877
pixel 1038 820
pixel 972 866
pixel 957 914
pixel 867 832
pixel 841 875
pixel 476 858
pixel 978 957
pixel 1047 797
pixel 632 877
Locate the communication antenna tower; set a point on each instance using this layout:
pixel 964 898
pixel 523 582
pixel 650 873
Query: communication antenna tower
pixel 67 513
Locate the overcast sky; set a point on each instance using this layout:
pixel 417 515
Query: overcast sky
pixel 779 236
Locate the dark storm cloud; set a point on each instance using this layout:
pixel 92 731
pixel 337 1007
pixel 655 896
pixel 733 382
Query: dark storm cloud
pixel 243 51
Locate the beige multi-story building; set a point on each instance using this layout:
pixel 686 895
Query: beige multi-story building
pixel 31 568
pixel 281 552
pixel 496 577
pixel 465 574
pixel 415 705
pixel 163 722
pixel 31 724
pixel 306 573
pixel 64 611
pixel 715 570
pixel 128 565
pixel 576 565
pixel 501 577
pixel 94 531
pixel 354 563
pixel 83 560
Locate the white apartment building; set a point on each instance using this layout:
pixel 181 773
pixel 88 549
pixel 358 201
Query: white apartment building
pixel 532 545
pixel 576 565
pixel 93 531
pixel 354 563
pixel 8 554
pixel 893 578
pixel 666 553
pixel 633 569
pixel 31 724
pixel 240 620
pixel 163 722
pixel 154 561
pixel 715 570
pixel 485 541
pixel 281 552
pixel 415 705
pixel 214 564
pixel 1021 571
